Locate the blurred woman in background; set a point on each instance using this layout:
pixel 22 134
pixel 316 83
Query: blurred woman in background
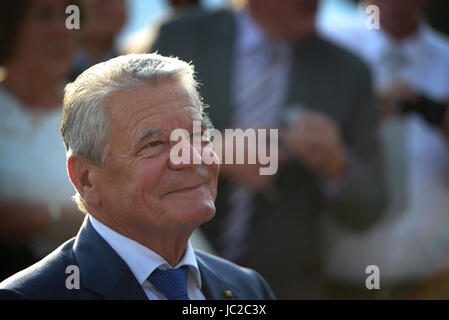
pixel 104 19
pixel 36 211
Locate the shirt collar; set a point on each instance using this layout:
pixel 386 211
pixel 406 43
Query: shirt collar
pixel 409 45
pixel 250 35
pixel 252 40
pixel 141 260
pixel 381 44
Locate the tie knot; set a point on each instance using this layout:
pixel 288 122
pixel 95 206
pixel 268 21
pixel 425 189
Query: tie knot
pixel 171 282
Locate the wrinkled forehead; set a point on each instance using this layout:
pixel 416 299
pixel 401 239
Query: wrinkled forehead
pixel 164 106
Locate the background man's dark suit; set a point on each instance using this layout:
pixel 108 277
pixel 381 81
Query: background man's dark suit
pixel 286 237
pixel 104 275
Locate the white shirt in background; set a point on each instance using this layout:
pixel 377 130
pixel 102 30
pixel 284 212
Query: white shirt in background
pixel 32 154
pixel 412 239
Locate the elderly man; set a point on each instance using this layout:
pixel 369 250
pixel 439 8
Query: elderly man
pixel 141 207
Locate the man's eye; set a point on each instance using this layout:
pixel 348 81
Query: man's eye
pixel 155 143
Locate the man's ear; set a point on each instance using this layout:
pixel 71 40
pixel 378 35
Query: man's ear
pixel 83 174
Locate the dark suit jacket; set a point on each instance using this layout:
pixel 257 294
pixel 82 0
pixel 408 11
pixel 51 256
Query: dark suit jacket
pixel 104 275
pixel 286 240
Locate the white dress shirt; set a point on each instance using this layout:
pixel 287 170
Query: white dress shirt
pixel 412 239
pixel 250 42
pixel 143 261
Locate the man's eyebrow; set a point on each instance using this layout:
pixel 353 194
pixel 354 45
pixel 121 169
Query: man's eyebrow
pixel 146 134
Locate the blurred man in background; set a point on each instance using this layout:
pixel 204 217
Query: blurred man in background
pixel 265 67
pixel 410 63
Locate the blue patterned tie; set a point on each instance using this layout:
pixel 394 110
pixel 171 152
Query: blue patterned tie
pixel 172 282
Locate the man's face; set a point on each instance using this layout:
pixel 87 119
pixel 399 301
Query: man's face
pixel 141 190
pixel 288 20
pixel 105 18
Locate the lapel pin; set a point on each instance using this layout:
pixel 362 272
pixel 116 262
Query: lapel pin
pixel 228 293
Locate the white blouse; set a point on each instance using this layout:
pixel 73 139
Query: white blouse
pixel 32 154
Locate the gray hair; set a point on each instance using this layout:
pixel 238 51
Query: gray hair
pixel 85 124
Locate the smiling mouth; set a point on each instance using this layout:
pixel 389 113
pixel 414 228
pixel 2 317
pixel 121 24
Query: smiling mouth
pixel 183 190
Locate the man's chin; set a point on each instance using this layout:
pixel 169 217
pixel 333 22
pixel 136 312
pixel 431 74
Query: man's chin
pixel 196 213
pixel 206 211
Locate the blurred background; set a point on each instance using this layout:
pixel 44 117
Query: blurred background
pixel 143 14
pixel 362 115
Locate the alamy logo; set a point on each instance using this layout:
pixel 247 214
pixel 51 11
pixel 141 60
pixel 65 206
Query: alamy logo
pixel 256 152
pixel 373 280
pixel 73 280
pixel 73 20
pixel 373 19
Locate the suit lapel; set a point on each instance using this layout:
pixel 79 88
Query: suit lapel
pixel 299 77
pixel 217 74
pixel 214 286
pixel 316 81
pixel 101 269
